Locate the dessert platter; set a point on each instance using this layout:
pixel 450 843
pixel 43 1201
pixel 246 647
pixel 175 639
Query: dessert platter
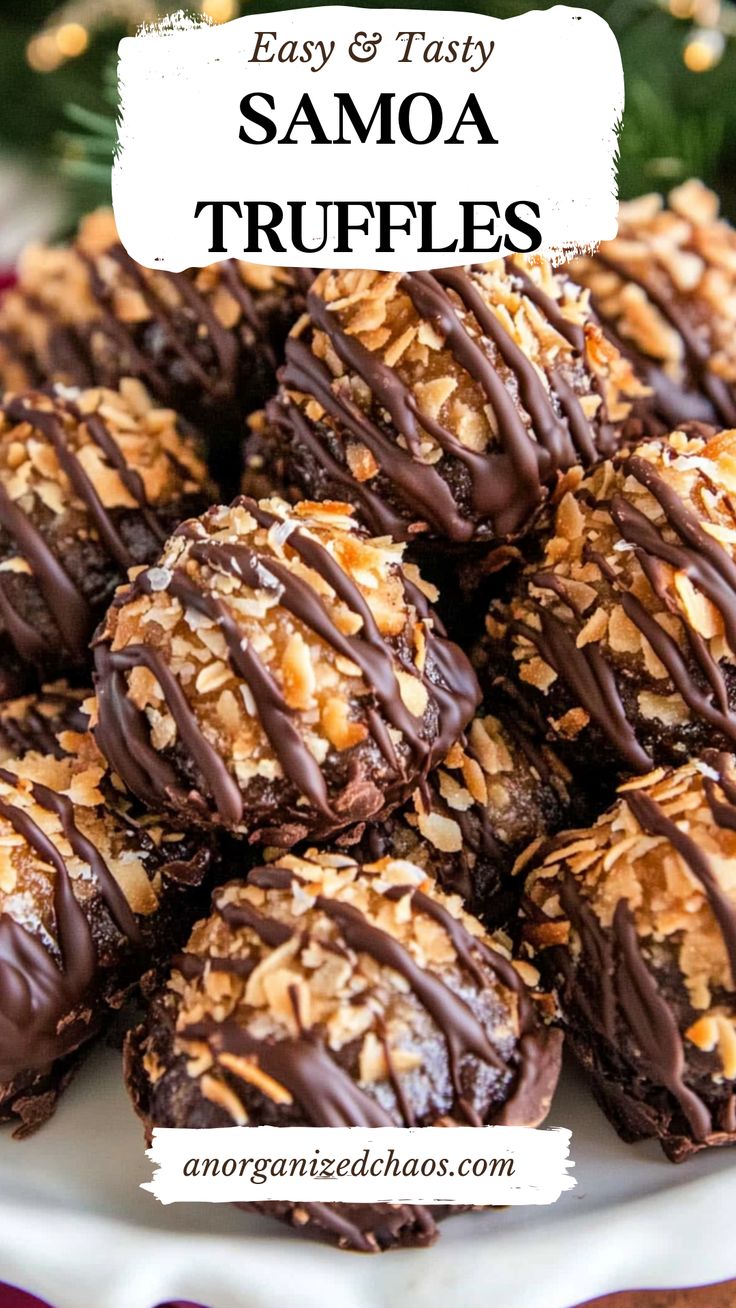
pixel 367 745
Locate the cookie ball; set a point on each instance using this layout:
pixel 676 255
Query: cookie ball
pixel 50 722
pixel 205 342
pixel 278 672
pixel 635 921
pixel 91 483
pixel 444 405
pixel 92 894
pixel 623 637
pixel 493 794
pixel 665 289
pixel 325 993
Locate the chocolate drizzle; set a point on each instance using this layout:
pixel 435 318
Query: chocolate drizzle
pixel 122 731
pixel 303 1064
pixel 697 350
pixel 652 819
pixel 614 986
pixel 630 1000
pixel 695 674
pixel 64 597
pixel 165 350
pixel 37 991
pixel 541 433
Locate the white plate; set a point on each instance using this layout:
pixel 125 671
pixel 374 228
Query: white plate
pixel 76 1229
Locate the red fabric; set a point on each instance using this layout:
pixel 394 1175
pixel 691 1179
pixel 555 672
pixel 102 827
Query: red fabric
pixel 14 1298
pixel 11 1298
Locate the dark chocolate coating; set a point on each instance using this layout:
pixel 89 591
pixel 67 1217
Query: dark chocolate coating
pixel 477 812
pixel 76 556
pixel 630 995
pixel 664 563
pixel 71 946
pixel 479 1053
pixel 210 362
pixel 352 784
pixel 34 723
pixel 467 495
pixel 664 291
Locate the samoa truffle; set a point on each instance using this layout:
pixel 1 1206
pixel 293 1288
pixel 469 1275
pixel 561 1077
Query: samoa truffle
pixel 278 672
pixel 444 405
pixel 91 483
pixel 323 993
pixel 205 342
pixel 91 896
pixel 493 794
pixel 635 918
pixel 665 288
pixel 623 638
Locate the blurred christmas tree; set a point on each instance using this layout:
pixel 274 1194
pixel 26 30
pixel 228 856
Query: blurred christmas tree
pixel 58 70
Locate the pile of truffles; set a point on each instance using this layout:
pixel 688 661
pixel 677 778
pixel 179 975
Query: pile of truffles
pixel 378 763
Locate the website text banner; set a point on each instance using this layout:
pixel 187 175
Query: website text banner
pixel 346 137
pixel 449 1165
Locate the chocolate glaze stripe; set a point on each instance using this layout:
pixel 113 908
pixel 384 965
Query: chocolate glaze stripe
pixel 137 362
pixel 288 418
pixel 589 677
pixel 512 480
pixel 651 1022
pixel 723 810
pixel 64 601
pixel 123 734
pixel 700 556
pixel 369 655
pixel 192 966
pixel 420 484
pixel 51 427
pixel 655 822
pixel 461 1029
pixel 325 1092
pixel 369 651
pixel 27 641
pixel 268 929
pixel 112 894
pixel 130 477
pixel 631 999
pixel 276 718
pixel 668 651
pixel 549 431
pixel 697 348
pixel 62 595
pixel 35 990
pixel 549 307
pixel 165 317
pixel 150 776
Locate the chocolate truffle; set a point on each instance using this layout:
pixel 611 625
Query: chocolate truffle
pixel 323 993
pixel 92 894
pixel 91 483
pixel 623 638
pixel 444 405
pixel 494 793
pixel 278 672
pixel 206 341
pixel 635 920
pixel 665 289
